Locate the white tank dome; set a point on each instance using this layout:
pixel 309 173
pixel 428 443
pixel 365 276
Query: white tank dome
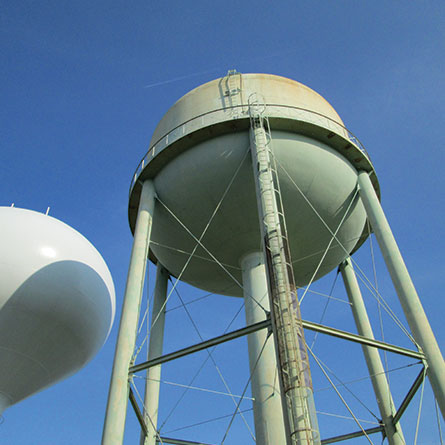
pixel 57 302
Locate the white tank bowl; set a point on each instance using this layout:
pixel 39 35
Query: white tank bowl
pixel 201 142
pixel 57 302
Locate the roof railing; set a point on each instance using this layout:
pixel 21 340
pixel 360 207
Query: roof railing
pixel 180 130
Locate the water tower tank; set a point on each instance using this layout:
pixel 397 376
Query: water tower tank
pixel 252 185
pixel 202 145
pixel 57 302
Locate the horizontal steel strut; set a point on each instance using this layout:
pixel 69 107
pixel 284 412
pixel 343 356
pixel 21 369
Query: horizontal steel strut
pixel 267 324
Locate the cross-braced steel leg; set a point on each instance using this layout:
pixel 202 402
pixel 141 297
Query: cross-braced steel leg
pixel 114 426
pixel 153 375
pixel 405 289
pixel 372 356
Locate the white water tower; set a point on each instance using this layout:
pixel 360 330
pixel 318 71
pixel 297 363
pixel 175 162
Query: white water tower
pixel 57 302
pixel 253 187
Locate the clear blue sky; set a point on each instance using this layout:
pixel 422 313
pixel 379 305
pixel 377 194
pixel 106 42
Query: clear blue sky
pixel 82 86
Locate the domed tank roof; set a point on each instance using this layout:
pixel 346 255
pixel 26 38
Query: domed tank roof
pixel 57 302
pixel 219 93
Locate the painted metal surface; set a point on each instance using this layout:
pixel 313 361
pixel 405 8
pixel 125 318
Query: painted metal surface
pixel 377 374
pixel 214 95
pixel 405 289
pixel 116 412
pixel 344 335
pixel 57 302
pixel 267 408
pixel 156 341
pixel 201 346
pixel 195 165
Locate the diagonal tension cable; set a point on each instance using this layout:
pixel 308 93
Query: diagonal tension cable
pixel 216 366
pixel 385 305
pixel 246 386
pixel 195 376
pixel 339 395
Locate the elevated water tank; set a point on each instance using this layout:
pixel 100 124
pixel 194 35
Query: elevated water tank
pixel 199 159
pixel 57 302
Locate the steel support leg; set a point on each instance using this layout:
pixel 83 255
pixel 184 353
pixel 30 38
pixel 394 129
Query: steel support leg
pixel 114 425
pixel 267 410
pixel 405 289
pixel 372 356
pixel 153 375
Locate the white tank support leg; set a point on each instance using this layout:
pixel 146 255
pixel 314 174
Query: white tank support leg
pixel 405 289
pixel 113 433
pixel 267 410
pixel 153 375
pixel 372 356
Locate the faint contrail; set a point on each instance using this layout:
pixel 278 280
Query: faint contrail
pixel 175 79
pixel 252 59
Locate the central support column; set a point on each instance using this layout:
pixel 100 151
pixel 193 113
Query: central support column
pixel 294 374
pixel 372 356
pixel 267 410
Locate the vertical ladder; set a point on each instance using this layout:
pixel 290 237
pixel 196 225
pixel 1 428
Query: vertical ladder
pixel 295 379
pixel 233 88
